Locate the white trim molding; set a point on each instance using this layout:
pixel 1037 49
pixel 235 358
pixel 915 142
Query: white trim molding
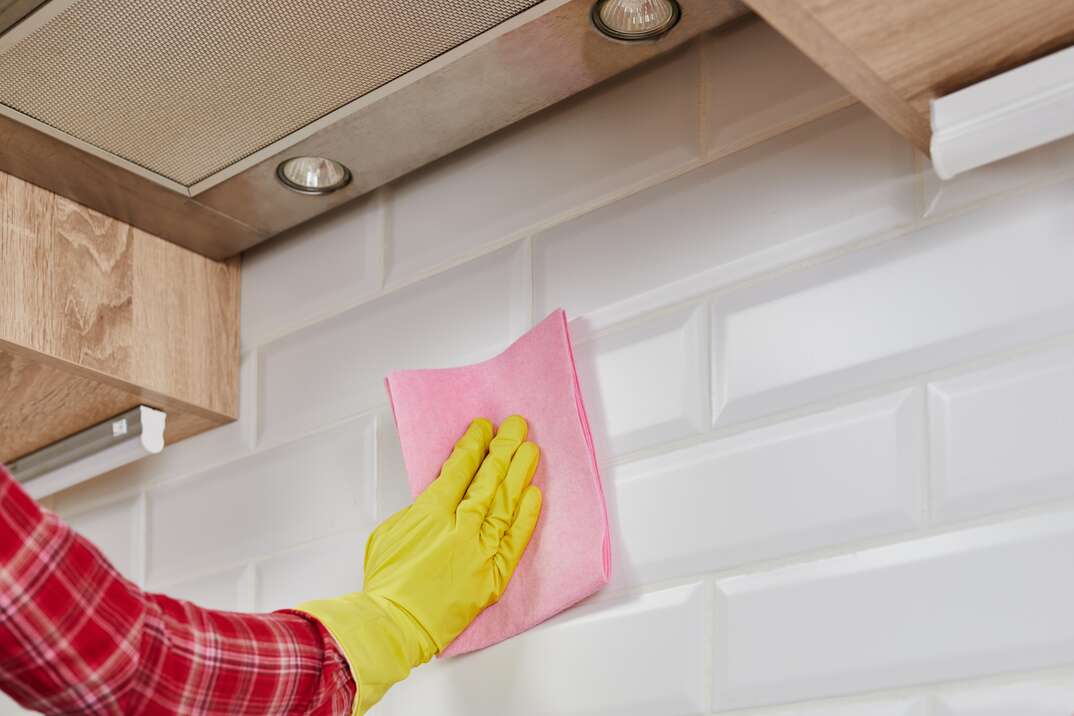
pixel 1010 113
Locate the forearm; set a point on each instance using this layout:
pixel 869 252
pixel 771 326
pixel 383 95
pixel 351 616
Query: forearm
pixel 76 637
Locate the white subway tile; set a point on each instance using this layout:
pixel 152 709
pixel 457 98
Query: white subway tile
pixel 574 154
pixel 756 84
pixel 272 500
pixel 975 284
pixel 8 707
pixel 327 568
pixel 641 656
pixel 116 530
pixel 309 272
pixel 645 384
pixel 336 368
pixel 826 479
pixel 224 590
pixel 826 184
pixel 1001 436
pixel 1042 165
pixel 970 603
pixel 1042 696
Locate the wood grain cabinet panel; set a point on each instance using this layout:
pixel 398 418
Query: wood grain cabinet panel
pixel 97 317
pixel 898 56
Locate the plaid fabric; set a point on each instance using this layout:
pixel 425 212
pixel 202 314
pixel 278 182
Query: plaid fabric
pixel 77 638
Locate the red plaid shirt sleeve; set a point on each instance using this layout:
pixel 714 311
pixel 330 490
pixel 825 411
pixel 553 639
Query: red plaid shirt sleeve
pixel 78 638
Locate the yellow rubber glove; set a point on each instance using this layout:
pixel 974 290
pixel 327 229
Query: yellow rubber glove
pixel 432 567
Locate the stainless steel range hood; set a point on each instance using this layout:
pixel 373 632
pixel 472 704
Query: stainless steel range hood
pixel 177 112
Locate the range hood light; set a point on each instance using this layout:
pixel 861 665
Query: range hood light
pixel 313 175
pixel 635 19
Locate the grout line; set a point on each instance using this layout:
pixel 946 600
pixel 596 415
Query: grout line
pixel 386 206
pixel 707 362
pixel 246 590
pixel 926 478
pixel 922 166
pixel 532 281
pixel 378 482
pixel 521 318
pixel 708 654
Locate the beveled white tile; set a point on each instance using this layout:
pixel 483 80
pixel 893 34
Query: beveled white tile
pixel 115 529
pixel 393 489
pixel 311 271
pixel 336 368
pixel 1041 696
pixel 832 182
pixel 756 84
pixel 562 159
pixel 8 707
pixel 966 604
pixel 839 476
pixel 224 590
pixel 326 568
pixel 645 384
pixel 975 284
pixel 636 657
pixel 1001 436
pixel 272 500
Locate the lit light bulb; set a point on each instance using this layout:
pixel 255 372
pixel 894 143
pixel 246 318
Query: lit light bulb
pixel 313 175
pixel 635 19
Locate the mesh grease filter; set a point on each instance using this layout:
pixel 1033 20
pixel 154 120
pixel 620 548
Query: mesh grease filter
pixel 185 88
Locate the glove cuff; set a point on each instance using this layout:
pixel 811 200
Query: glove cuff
pixel 380 640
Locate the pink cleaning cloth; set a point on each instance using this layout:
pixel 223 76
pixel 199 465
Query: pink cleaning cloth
pixel 568 556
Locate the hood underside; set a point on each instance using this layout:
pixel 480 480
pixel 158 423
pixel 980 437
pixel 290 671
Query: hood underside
pixel 172 115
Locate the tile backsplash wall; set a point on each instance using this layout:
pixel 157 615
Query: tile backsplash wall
pixel 832 399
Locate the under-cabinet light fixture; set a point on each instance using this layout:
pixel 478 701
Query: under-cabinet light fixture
pixel 635 19
pixel 1010 113
pixel 96 450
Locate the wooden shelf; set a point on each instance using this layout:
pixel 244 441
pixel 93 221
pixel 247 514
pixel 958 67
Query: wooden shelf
pixel 897 56
pixel 97 317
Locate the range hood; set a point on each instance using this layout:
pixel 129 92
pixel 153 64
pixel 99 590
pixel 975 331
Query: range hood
pixel 173 115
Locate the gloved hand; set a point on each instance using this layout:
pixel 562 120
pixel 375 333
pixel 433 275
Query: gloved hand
pixel 432 567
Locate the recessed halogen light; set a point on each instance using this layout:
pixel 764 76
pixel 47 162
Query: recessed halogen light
pixel 635 19
pixel 313 175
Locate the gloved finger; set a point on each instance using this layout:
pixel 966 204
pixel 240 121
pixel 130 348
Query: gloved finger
pixel 494 469
pixel 459 469
pixel 509 493
pixel 517 537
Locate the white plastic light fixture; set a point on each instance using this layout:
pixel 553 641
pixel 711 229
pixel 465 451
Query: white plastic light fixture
pixel 96 450
pixel 635 19
pixel 1010 113
pixel 313 175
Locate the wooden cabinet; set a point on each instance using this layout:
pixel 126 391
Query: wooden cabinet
pixel 97 317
